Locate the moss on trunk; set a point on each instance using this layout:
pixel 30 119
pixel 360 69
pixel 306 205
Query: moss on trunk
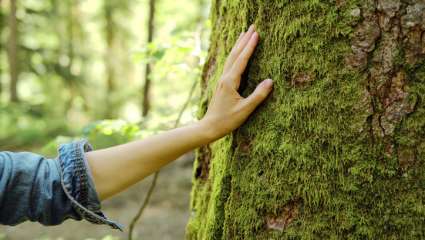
pixel 338 150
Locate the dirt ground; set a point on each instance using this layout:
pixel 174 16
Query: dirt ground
pixel 165 217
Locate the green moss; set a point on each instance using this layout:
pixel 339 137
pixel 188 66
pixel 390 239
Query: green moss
pixel 307 143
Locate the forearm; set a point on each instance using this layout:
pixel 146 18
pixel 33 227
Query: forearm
pixel 115 169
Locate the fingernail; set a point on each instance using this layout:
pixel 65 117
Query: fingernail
pixel 267 83
pixel 251 28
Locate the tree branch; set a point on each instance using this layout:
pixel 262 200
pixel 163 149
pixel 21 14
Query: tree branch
pixel 155 177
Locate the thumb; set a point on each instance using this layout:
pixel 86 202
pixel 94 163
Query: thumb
pixel 259 95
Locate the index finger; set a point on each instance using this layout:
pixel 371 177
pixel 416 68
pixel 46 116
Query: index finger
pixel 243 59
pixel 238 47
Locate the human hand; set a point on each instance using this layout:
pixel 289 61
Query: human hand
pixel 228 109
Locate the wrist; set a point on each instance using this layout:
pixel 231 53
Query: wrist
pixel 208 131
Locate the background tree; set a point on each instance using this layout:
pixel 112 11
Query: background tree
pixel 110 31
pixel 13 51
pixel 115 35
pixel 73 35
pixel 148 68
pixel 195 65
pixel 338 150
pixel 2 46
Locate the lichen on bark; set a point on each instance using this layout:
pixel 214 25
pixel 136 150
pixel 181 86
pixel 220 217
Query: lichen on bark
pixel 337 151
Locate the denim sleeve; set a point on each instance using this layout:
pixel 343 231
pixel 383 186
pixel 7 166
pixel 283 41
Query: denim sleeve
pixel 49 191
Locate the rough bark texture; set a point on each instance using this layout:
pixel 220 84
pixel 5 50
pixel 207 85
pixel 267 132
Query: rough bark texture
pixel 338 150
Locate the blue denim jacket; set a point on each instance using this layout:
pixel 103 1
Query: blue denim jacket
pixel 49 191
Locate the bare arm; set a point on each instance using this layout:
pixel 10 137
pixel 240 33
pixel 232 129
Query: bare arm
pixel 115 169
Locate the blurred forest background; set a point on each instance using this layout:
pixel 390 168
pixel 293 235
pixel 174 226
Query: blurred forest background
pixel 110 71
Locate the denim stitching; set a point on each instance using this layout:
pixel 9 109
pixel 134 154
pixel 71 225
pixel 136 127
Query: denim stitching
pixel 73 151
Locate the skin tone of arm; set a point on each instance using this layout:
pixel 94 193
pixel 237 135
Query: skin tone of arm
pixel 117 168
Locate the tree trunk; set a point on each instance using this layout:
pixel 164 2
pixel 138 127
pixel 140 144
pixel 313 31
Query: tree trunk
pixel 2 48
pixel 337 151
pixel 148 68
pixel 70 32
pixel 13 52
pixel 109 57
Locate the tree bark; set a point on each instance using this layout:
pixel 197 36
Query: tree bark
pixel 337 151
pixel 146 104
pixel 13 52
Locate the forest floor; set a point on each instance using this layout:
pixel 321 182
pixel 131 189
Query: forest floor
pixel 165 217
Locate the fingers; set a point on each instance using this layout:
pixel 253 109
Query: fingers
pixel 243 58
pixel 238 47
pixel 259 95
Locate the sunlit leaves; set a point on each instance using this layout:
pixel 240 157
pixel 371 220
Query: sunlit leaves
pixel 62 50
pixel 108 133
pixel 150 53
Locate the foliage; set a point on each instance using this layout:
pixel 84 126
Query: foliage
pixel 107 133
pixel 62 80
pixel 51 148
pixel 26 125
pixel 100 134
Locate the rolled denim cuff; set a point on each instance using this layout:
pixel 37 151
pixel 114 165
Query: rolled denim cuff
pixel 77 182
